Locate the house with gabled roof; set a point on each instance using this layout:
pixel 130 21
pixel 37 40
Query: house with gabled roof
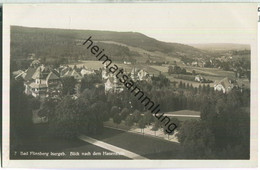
pixel 134 74
pixel 142 74
pixel 84 72
pixel 73 73
pixel 112 85
pixel 225 85
pixel 200 78
pixel 41 82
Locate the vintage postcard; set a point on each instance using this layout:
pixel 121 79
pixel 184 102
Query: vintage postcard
pixel 153 85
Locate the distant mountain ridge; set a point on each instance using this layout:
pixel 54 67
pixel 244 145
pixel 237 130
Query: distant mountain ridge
pixel 221 46
pixel 52 42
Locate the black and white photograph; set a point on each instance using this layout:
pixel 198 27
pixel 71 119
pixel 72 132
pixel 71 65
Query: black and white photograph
pixel 130 82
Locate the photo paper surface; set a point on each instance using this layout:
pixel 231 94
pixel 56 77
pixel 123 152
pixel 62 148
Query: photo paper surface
pixel 153 85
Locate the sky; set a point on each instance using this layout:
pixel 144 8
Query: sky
pixel 188 23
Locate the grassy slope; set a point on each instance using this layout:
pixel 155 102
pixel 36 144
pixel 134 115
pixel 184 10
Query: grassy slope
pixel 149 147
pixel 39 142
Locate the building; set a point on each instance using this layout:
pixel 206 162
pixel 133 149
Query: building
pixel 73 73
pixel 35 63
pixel 225 85
pixel 195 64
pixel 63 70
pixel 142 74
pixel 134 74
pixel 85 72
pixel 19 75
pixel 200 79
pixel 112 85
pixel 41 82
pixel 127 62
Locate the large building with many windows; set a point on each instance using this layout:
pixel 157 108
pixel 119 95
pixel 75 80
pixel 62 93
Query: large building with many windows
pixel 41 82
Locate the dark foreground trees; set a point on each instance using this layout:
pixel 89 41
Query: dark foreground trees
pixel 73 117
pixel 68 85
pixel 20 114
pixel 223 131
pixel 197 140
pixel 20 109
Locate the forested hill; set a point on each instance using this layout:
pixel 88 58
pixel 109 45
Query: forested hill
pixel 59 43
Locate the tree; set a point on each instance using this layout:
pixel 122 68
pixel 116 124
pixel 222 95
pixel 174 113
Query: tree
pixel 170 70
pixel 199 89
pixel 66 121
pixel 156 126
pixel 177 70
pixel 180 84
pixel 73 117
pixel 188 85
pixel 117 118
pixel 234 99
pixel 207 111
pixel 168 133
pixel 141 124
pixel 68 85
pixel 148 118
pixel 34 103
pixel 99 109
pixel 20 110
pixel 114 110
pixel 93 95
pixel 124 113
pixel 89 81
pixel 207 64
pixel 161 81
pixel 129 120
pixel 48 108
pixel 197 139
pixel 137 116
pixel 193 72
pixel 95 115
pixel 183 71
pixel 171 128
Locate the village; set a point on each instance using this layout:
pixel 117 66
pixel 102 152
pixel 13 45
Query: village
pixel 45 81
pixel 181 90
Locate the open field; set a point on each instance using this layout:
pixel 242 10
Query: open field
pixel 182 119
pixel 212 74
pixel 184 112
pixel 146 55
pixel 163 69
pixel 183 115
pixel 194 84
pixel 211 71
pixel 88 64
pixel 199 70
